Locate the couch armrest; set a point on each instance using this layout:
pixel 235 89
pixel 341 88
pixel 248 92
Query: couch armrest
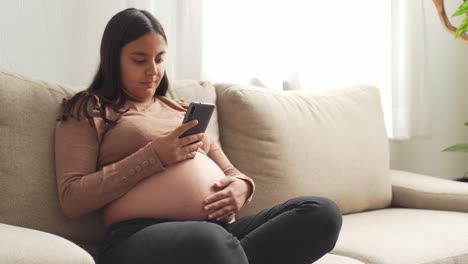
pixel 20 245
pixel 419 191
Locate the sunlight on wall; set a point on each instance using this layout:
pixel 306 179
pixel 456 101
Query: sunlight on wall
pixel 312 45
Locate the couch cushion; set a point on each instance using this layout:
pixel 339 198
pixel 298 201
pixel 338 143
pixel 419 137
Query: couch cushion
pixel 413 190
pixel 295 143
pixel 336 259
pixel 28 188
pixel 411 236
pixel 26 246
pixel 197 91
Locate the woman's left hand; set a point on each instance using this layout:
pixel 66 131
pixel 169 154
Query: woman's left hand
pixel 227 200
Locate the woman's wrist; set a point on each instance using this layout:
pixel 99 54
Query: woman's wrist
pixel 248 188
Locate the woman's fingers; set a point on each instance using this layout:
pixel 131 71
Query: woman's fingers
pixel 225 218
pixel 218 204
pixel 221 208
pixel 190 155
pixel 222 213
pixel 191 148
pixel 190 139
pixel 185 126
pixel 189 151
pixel 172 149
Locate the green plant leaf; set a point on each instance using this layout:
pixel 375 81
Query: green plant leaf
pixel 457 148
pixel 462 28
pixel 462 9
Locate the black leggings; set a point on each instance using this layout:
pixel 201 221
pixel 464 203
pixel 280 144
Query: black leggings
pixel 299 231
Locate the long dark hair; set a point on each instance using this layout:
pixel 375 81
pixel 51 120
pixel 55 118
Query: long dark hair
pixel 106 87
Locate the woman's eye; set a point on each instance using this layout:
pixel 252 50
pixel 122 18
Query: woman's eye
pixel 159 60
pixel 139 61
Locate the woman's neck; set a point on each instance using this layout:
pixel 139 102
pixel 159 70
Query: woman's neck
pixel 140 104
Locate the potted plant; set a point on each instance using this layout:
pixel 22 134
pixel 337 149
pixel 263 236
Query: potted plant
pixel 459 32
pixel 458 147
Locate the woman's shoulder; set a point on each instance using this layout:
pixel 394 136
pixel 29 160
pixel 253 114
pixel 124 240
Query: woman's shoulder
pixel 90 105
pixel 176 103
pixel 87 113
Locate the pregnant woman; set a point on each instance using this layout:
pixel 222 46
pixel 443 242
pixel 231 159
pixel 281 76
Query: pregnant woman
pixel 163 199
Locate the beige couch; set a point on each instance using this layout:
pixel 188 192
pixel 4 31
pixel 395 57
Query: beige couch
pixel 293 143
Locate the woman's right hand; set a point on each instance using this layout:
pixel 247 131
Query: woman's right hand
pixel 172 149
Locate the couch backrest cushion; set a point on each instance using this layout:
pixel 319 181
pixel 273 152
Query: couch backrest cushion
pixel 28 189
pixel 295 143
pixel 197 91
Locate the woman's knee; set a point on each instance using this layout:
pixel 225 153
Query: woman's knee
pixel 320 213
pixel 204 234
pixel 209 243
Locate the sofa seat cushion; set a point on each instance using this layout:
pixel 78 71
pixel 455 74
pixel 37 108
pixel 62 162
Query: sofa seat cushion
pixel 336 259
pixel 297 143
pixel 411 236
pixel 27 246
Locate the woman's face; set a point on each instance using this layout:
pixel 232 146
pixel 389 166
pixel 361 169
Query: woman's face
pixel 142 66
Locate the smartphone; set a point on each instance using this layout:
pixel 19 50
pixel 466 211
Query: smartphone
pixel 200 111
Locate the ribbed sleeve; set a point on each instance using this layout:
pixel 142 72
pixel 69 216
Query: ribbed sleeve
pixel 82 187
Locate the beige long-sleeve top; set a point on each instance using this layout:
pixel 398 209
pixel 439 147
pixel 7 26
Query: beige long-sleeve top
pixel 97 163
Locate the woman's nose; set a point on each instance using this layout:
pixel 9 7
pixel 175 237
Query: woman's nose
pixel 152 69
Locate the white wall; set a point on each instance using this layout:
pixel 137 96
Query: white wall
pixel 32 42
pixel 59 40
pixel 46 39
pixel 447 85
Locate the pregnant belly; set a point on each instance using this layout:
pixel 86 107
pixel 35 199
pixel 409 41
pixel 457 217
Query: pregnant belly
pixel 176 193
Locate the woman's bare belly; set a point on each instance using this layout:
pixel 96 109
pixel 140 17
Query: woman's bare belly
pixel 176 193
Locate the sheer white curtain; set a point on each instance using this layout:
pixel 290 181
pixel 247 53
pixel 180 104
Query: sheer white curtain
pixel 181 20
pixel 315 45
pixel 410 106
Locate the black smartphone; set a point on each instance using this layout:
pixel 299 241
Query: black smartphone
pixel 200 111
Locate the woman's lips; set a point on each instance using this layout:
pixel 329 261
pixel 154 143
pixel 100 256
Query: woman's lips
pixel 148 84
